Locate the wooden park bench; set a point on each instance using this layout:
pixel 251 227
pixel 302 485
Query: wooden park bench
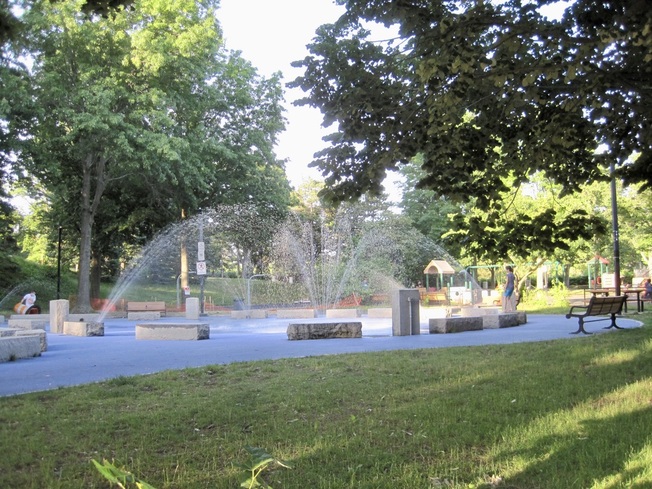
pixel 152 306
pixel 598 306
pixel 434 296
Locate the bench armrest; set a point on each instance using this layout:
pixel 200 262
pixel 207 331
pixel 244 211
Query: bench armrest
pixel 570 313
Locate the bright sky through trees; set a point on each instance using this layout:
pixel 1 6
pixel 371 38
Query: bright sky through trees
pixel 271 35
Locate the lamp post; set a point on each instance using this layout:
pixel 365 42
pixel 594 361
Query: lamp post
pixel 201 264
pixel 616 238
pixel 59 265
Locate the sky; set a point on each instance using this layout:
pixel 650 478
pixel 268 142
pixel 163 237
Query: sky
pixel 271 35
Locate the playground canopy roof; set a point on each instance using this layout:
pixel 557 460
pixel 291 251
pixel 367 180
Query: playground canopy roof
pixel 600 259
pixel 439 266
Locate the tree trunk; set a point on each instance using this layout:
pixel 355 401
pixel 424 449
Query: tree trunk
pixel 524 272
pixel 93 170
pixel 83 303
pixel 96 274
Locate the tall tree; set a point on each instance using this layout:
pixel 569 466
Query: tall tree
pixel 483 90
pixel 137 99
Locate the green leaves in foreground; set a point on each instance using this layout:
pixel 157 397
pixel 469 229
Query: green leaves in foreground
pixel 258 461
pixel 121 477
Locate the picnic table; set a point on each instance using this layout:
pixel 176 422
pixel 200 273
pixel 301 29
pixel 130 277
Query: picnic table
pixel 606 291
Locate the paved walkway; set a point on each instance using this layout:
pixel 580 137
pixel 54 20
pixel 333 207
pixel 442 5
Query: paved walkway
pixel 72 360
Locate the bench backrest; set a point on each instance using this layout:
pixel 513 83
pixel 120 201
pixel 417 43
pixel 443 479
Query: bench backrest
pixel 146 306
pixel 606 305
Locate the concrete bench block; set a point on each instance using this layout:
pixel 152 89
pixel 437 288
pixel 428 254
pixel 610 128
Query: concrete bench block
pixel 192 308
pixel 379 312
pixel 173 331
pixel 59 310
pixel 35 332
pixel 4 332
pixel 79 328
pixel 143 315
pixel 15 347
pixel 43 317
pixel 454 325
pixel 28 323
pixel 342 313
pixel 318 331
pixel 296 313
pixel 249 314
pixel 468 312
pixel 503 320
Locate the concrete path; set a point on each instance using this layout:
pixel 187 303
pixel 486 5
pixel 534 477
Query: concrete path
pixel 72 360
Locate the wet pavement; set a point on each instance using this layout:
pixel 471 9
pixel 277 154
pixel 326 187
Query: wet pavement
pixel 72 360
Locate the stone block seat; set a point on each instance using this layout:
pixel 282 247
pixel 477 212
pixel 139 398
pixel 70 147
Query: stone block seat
pixel 27 322
pixel 454 324
pixel 504 320
pixel 249 314
pixel 343 313
pixel 16 347
pixel 17 332
pixel 39 333
pixel 296 313
pixel 483 321
pixel 81 328
pixel 173 331
pixel 318 331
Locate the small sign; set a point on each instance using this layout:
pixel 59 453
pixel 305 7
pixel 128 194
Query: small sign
pixel 200 251
pixel 608 280
pixel 186 290
pixel 201 268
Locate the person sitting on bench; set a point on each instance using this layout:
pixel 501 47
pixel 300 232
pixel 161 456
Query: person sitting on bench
pixel 648 289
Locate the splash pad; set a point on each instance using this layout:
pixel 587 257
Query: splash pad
pixel 260 261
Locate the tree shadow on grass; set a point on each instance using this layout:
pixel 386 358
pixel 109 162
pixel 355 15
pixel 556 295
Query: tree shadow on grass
pixel 600 453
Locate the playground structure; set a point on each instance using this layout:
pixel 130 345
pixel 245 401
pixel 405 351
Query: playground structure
pixel 447 286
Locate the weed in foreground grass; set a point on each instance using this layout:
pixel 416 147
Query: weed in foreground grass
pixel 253 469
pixel 569 413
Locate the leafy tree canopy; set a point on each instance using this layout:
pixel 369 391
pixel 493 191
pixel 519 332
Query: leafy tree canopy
pixel 139 116
pixel 482 91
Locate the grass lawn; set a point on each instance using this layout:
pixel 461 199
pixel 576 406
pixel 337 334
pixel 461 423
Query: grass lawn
pixel 573 413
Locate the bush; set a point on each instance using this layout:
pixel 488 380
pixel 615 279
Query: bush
pixel 555 296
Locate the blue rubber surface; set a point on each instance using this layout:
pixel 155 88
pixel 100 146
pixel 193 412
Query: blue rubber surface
pixel 72 360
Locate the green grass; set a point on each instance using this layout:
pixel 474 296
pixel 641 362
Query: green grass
pixel 217 290
pixel 571 413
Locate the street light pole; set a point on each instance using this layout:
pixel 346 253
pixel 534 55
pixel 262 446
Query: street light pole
pixel 614 216
pixel 201 263
pixel 201 277
pixel 59 265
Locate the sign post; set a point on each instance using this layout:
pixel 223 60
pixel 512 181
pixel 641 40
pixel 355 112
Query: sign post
pixel 201 272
